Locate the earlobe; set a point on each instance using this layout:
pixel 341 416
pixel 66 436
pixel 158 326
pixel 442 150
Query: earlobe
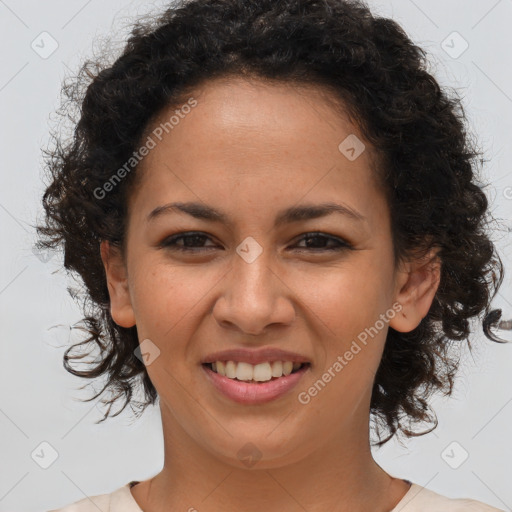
pixel 117 282
pixel 417 285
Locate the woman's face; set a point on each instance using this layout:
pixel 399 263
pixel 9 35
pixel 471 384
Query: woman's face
pixel 254 280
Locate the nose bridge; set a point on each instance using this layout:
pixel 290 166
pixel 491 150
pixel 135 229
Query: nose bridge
pixel 253 296
pixel 253 276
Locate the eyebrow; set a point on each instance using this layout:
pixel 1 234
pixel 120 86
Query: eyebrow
pixel 287 216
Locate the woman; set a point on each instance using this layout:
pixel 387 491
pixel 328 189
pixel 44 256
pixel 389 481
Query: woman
pixel 274 209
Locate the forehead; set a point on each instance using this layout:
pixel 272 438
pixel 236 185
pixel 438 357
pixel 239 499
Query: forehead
pixel 244 115
pixel 258 141
pixel 273 113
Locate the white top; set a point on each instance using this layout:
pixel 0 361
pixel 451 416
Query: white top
pixel 417 499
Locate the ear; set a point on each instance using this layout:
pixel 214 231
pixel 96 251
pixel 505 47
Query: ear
pixel 115 269
pixel 416 286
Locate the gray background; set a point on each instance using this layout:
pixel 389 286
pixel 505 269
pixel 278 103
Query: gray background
pixel 39 399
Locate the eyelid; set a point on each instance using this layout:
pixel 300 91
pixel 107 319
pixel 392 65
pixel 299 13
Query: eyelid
pixel 322 234
pixel 343 243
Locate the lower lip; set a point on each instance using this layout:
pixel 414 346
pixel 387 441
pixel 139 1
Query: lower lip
pixel 254 392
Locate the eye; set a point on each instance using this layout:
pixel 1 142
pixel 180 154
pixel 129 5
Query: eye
pixel 193 242
pixel 340 244
pixel 192 238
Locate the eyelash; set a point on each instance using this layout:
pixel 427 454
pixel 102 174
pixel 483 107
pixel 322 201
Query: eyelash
pixel 170 242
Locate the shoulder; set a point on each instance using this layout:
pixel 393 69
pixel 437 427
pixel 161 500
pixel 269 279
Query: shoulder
pixel 89 504
pixel 120 500
pixel 421 499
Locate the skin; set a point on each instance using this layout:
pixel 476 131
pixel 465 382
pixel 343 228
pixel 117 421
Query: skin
pixel 251 149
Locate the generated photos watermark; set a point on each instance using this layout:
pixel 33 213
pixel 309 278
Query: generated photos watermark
pixel 137 156
pixel 304 397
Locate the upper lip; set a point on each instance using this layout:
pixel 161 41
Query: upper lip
pixel 255 356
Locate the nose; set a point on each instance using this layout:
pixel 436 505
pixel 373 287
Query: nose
pixel 254 297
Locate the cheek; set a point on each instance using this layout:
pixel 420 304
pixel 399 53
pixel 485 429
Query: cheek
pixel 346 299
pixel 162 295
pixel 338 301
pixel 167 303
pixel 347 303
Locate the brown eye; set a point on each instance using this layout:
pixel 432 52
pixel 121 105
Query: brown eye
pixel 194 242
pixel 319 240
pixel 191 242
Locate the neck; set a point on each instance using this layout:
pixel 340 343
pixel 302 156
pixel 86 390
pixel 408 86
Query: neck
pixel 340 476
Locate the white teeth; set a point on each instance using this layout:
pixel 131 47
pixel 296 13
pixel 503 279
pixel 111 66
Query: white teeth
pixel 220 367
pixel 261 372
pixel 244 371
pixel 277 369
pixel 231 370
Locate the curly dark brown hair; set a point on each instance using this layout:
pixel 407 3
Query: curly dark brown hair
pixel 428 168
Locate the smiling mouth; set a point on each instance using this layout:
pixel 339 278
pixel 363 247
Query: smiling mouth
pixel 259 373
